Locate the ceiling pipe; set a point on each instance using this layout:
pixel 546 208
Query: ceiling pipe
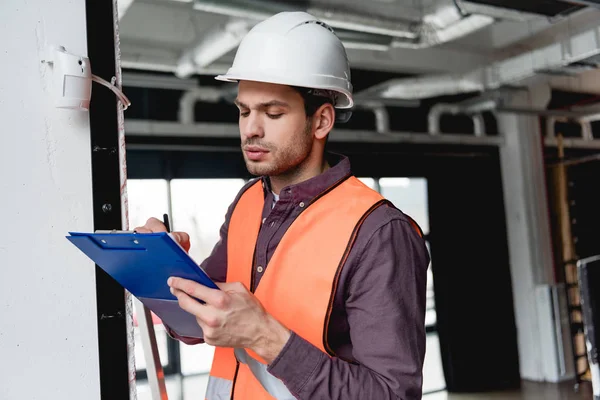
pixel 206 94
pixel 213 46
pixel 436 112
pixel 586 127
pixel 382 117
pixel 478 125
pixel 214 94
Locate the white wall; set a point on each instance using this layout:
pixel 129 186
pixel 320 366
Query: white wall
pixel 542 352
pixel 48 333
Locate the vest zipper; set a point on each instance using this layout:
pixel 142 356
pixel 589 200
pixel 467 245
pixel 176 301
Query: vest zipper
pixel 237 367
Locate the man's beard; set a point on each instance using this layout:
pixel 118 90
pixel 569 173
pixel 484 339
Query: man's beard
pixel 284 161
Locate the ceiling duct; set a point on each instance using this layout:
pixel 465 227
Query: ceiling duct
pixel 522 69
pixel 260 10
pixel 441 26
pixel 548 8
pixel 445 25
pixel 469 7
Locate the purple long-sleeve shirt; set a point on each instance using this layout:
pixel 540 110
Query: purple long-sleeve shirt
pixel 378 316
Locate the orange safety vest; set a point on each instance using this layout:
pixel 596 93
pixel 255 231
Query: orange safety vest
pixel 299 285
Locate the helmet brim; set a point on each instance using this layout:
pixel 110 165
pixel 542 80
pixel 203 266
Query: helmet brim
pixel 344 101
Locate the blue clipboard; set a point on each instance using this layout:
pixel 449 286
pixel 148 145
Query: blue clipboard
pixel 142 263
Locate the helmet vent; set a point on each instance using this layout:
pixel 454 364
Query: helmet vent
pixel 321 23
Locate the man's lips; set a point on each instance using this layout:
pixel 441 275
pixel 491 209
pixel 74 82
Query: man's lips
pixel 255 153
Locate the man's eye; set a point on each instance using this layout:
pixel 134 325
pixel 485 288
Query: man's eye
pixel 274 116
pixel 244 113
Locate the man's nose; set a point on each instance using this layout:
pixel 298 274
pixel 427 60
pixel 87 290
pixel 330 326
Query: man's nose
pixel 251 126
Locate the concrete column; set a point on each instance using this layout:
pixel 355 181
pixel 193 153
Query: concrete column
pixel 48 332
pixel 543 346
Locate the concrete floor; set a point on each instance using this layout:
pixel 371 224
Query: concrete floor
pixel 193 387
pixel 529 391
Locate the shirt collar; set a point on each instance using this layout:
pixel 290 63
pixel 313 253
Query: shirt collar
pixel 307 190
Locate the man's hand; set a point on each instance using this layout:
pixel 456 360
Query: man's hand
pixel 231 317
pixel 155 225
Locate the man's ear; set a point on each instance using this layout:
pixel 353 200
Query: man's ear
pixel 323 120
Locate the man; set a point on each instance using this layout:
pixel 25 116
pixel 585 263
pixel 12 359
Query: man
pixel 325 280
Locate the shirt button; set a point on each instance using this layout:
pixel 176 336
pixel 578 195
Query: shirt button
pixel 272 223
pixel 264 219
pixel 301 204
pixel 259 269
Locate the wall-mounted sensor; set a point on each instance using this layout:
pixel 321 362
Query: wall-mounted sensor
pixel 72 79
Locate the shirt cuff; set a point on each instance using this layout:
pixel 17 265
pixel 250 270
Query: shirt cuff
pixel 296 363
pixel 183 339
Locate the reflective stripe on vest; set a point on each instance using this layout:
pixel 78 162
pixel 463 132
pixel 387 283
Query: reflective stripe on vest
pixel 272 385
pixel 218 389
pixel 299 284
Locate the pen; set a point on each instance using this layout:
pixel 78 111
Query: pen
pixel 166 222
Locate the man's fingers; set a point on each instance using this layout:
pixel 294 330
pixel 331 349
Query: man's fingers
pixel 189 303
pixel 213 297
pixel 234 287
pixel 207 317
pixel 155 225
pixel 183 239
pixel 152 225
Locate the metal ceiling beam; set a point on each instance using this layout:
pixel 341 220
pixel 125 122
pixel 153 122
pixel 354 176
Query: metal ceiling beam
pixel 140 55
pixel 141 80
pixel 590 115
pixel 231 131
pixel 573 143
pixel 590 3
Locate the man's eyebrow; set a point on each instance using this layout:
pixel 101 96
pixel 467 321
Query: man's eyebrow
pixel 240 104
pixel 272 103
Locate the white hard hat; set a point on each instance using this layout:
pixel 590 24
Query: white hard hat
pixel 295 49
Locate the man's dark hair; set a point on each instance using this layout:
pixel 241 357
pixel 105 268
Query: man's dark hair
pixel 313 99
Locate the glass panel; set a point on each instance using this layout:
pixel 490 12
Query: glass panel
pixel 147 198
pixel 430 314
pixel 370 182
pixel 199 208
pixel 410 196
pixel 433 372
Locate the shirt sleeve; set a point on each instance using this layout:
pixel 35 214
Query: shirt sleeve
pixel 386 313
